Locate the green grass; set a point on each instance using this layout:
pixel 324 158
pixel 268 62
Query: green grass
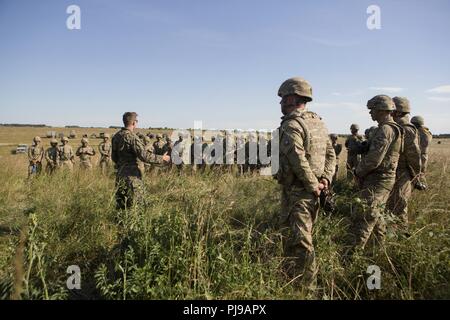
pixel 212 236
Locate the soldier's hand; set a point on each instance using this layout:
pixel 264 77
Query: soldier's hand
pixel 166 157
pixel 319 189
pixel 325 183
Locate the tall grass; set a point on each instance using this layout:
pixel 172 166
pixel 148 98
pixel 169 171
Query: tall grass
pixel 212 236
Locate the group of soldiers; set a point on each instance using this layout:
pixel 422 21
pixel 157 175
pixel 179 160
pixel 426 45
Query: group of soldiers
pixel 385 164
pixel 63 157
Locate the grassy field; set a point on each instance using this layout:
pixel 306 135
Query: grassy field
pixel 211 236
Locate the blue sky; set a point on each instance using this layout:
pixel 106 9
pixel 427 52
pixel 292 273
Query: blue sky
pixel 220 62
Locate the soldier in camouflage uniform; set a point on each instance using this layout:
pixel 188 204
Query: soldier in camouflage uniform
pixel 158 145
pixel 149 148
pixel 127 148
pixel 105 150
pixel 35 156
pixel 376 173
pixel 307 164
pixel 66 155
pixel 337 150
pixel 425 138
pixel 85 152
pixel 52 157
pixel 409 165
pixel 352 144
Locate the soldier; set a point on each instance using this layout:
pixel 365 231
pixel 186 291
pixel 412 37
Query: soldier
pixel 85 152
pixel 149 148
pixel 35 156
pixel 307 164
pixel 376 173
pixel 127 148
pixel 52 157
pixel 425 138
pixel 66 155
pixel 105 150
pixel 408 170
pixel 337 150
pixel 352 144
pixel 158 145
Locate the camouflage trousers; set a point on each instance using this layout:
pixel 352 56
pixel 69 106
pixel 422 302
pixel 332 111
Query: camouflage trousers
pixel 299 210
pixel 129 191
pixel 51 168
pixel 35 168
pixel 369 216
pixel 399 197
pixel 352 162
pixel 105 164
pixel 86 165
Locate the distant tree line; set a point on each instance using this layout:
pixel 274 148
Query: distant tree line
pixel 23 125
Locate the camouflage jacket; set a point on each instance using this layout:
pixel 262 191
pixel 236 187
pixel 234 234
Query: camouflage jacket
pixel 127 149
pixel 337 150
pixel 85 153
pixel 105 149
pixel 158 147
pixel 306 152
pixel 66 153
pixel 425 138
pixel 410 158
pixel 51 156
pixel 381 160
pixel 36 153
pixel 352 143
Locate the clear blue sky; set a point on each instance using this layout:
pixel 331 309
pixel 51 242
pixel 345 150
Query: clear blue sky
pixel 219 61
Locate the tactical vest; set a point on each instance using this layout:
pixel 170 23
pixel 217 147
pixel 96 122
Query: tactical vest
pixel 403 162
pixel 315 140
pixel 65 153
pixel 390 161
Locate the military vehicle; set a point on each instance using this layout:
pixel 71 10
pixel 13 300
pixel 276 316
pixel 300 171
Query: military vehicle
pixel 72 134
pixel 21 148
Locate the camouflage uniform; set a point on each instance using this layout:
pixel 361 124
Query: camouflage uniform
pixel 353 158
pixel 376 173
pixel 85 152
pixel 425 138
pixel 52 157
pixel 35 156
pixel 66 155
pixel 105 149
pixel 337 151
pixel 306 156
pixel 408 166
pixel 127 149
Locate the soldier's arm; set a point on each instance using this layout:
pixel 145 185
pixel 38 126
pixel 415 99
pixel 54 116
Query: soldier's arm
pixel 142 154
pixel 47 158
pixel 377 151
pixel 412 151
pixel 92 152
pixel 330 162
pixel 30 154
pixel 42 154
pixel 293 148
pixel 78 153
pixel 100 149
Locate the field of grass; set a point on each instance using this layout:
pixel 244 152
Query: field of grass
pixel 212 236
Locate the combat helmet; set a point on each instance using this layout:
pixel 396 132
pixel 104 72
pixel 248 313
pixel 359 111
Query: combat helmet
pixel 354 126
pixel 333 136
pixel 85 140
pixel 298 86
pixel 37 139
pixel 106 136
pixel 64 139
pixel 402 104
pixel 381 102
pixel 418 120
pixel 53 141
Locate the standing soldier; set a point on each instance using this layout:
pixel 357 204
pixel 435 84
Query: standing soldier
pixel 376 172
pixel 337 150
pixel 35 156
pixel 307 163
pixel 52 157
pixel 158 145
pixel 66 155
pixel 408 170
pixel 127 148
pixel 105 150
pixel 352 144
pixel 85 152
pixel 425 138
